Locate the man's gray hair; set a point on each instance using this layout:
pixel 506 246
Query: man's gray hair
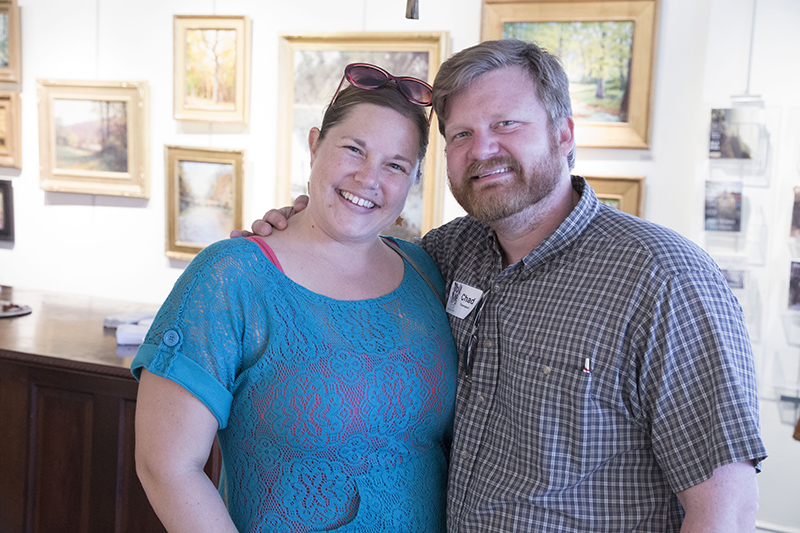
pixel 546 71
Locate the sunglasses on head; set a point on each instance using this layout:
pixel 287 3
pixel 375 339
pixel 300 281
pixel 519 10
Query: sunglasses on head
pixel 366 76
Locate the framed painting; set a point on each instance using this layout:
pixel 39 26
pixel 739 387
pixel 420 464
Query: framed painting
pixel 608 51
pixel 10 62
pixel 6 211
pixel 10 130
pixel 93 137
pixel 212 68
pixel 204 197
pixel 625 194
pixel 311 67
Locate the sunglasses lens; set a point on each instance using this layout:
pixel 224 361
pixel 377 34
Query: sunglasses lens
pixel 417 92
pixel 366 77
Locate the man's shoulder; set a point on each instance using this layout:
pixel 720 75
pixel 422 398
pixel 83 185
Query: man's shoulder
pixel 465 227
pixel 663 245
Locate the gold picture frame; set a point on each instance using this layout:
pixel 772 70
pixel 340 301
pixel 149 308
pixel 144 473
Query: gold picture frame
pixel 203 93
pixel 10 130
pixel 621 121
pixel 204 197
pixel 626 194
pixel 10 65
pixel 93 137
pixel 311 67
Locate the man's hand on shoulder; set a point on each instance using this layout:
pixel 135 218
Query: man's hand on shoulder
pixel 274 218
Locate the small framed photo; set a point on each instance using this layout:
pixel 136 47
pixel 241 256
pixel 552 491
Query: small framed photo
pixel 204 198
pixel 311 67
pixel 10 130
pixel 6 211
pixel 212 68
pixel 93 137
pixel 794 231
pixel 10 66
pixel 723 206
pixel 625 194
pixel 794 286
pixel 607 49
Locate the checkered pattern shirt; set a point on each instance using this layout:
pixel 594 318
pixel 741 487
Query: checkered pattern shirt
pixel 668 394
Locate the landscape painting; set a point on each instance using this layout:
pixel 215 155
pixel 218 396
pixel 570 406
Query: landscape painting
pixel 91 135
pixel 212 68
pixel 312 67
pixel 10 63
pixel 205 213
pixel 607 49
pixel 597 58
pixel 204 197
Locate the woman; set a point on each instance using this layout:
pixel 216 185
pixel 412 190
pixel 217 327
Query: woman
pixel 323 363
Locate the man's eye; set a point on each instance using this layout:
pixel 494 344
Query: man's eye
pixel 395 166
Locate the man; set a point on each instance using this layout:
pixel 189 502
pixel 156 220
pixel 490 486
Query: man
pixel 606 379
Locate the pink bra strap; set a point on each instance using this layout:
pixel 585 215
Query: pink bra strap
pixel 267 250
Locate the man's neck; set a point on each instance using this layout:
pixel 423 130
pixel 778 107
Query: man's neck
pixel 521 233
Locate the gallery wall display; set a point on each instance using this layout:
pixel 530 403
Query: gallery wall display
pixel 93 137
pixel 625 194
pixel 10 130
pixel 608 51
pixel 10 59
pixel 6 211
pixel 212 68
pixel 311 67
pixel 739 143
pixel 204 197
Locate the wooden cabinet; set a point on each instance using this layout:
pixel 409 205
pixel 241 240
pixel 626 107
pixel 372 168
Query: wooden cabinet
pixel 67 406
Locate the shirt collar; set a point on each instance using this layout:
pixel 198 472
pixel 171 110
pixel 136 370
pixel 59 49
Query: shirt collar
pixel 570 230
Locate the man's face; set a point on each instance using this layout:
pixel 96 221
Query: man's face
pixel 502 156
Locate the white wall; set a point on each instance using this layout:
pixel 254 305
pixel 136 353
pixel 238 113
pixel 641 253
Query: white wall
pixel 114 247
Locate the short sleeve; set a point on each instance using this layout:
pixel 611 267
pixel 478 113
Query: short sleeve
pixel 697 380
pixel 195 338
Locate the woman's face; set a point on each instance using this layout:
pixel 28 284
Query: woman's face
pixel 361 172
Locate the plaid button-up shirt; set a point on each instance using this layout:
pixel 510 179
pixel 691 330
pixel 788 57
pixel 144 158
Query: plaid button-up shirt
pixel 611 368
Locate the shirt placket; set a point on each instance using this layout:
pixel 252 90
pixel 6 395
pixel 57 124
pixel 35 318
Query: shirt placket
pixel 476 395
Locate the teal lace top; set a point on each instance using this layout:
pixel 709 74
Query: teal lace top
pixel 333 415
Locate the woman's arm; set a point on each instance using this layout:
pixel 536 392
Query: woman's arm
pixel 174 434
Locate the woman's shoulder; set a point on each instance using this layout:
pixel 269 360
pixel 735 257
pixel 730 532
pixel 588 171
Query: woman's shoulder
pixel 417 253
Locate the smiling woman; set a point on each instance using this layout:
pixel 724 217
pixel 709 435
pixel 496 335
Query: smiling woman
pixel 322 363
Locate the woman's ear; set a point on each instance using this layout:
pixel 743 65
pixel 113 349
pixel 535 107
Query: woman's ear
pixel 313 137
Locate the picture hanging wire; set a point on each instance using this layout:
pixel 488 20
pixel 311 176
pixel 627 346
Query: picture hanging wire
pixel 748 99
pixel 412 9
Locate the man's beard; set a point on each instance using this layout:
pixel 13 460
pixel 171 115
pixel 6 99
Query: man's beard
pixel 497 201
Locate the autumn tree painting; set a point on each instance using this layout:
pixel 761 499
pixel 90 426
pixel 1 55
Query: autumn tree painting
pixel 211 69
pixel 91 135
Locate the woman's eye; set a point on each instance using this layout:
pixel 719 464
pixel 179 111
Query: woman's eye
pixel 395 166
pixel 506 122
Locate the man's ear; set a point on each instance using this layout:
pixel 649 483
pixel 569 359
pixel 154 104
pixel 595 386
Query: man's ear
pixel 313 145
pixel 566 135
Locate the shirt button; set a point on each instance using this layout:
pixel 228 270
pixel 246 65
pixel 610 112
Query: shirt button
pixel 546 370
pixel 171 337
pixel 487 344
pixel 481 399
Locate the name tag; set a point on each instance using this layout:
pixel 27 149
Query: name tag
pixel 462 299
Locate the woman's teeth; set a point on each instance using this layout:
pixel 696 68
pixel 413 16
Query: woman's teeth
pixel 353 199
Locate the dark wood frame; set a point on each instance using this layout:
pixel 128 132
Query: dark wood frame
pixel 7 232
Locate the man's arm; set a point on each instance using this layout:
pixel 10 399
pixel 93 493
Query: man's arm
pixel 725 503
pixel 274 218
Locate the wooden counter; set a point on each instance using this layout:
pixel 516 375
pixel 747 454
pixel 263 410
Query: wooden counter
pixel 67 404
